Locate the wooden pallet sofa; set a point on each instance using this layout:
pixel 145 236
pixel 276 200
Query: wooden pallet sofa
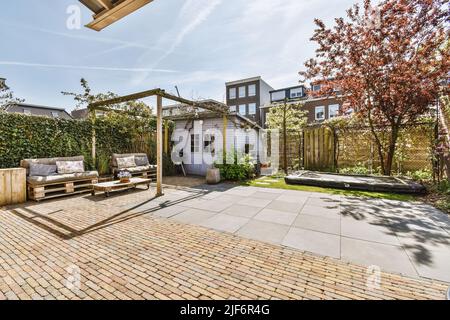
pixel 135 163
pixel 55 184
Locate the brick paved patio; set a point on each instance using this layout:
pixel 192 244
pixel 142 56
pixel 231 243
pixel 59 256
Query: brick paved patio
pixel 124 250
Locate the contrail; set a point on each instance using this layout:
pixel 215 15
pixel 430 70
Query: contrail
pixel 66 66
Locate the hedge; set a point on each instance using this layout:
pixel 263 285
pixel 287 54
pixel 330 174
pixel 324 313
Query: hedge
pixel 23 137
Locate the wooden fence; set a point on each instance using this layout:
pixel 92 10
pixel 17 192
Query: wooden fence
pixel 322 148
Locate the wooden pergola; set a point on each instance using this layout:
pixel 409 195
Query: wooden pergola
pixel 160 94
pixel 106 12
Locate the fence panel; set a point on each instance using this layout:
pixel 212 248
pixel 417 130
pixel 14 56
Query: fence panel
pixel 319 149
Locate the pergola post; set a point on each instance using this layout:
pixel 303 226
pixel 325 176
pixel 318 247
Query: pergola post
pixel 166 137
pixel 159 150
pixel 224 133
pixel 94 137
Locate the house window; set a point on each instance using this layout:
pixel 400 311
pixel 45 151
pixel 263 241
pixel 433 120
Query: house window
pixel 242 92
pixel 26 111
pixel 195 143
pixel 252 108
pixel 316 87
pixel 232 93
pixel 55 114
pixel 333 110
pixel 252 90
pixel 278 95
pixel 242 109
pixel 296 93
pixel 320 113
pixel 232 108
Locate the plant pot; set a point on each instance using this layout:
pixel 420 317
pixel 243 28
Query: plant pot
pixel 213 176
pixel 124 180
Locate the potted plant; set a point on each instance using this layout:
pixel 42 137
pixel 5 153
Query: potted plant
pixel 124 176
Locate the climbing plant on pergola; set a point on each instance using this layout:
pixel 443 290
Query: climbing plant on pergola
pixel 160 94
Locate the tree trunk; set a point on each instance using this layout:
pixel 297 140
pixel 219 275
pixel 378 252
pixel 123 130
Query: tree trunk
pixel 377 142
pixel 391 150
pixel 285 140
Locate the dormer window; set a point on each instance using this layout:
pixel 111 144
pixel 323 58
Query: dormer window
pixel 296 93
pixel 316 87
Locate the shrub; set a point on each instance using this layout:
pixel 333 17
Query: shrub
pixel 420 175
pixel 358 169
pixel 238 170
pixel 23 137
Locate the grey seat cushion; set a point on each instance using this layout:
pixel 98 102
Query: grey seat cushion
pixel 47 161
pixel 36 180
pixel 124 155
pixel 42 170
pixel 141 160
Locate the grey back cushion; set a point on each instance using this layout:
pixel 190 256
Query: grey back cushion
pixel 141 161
pixel 42 170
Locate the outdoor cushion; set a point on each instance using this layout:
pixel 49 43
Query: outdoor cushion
pixel 125 163
pixel 43 170
pixel 65 167
pixel 49 161
pixel 35 180
pixel 141 160
pixel 116 156
pixel 139 169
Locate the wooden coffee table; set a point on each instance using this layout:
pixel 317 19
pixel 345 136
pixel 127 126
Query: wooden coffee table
pixel 111 186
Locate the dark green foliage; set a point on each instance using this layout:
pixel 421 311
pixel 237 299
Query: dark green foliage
pixel 235 171
pixel 23 137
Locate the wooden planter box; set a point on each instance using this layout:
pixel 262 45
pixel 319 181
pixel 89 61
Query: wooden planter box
pixel 13 186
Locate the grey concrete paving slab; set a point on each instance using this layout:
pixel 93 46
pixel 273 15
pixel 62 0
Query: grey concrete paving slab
pixel 213 205
pixel 193 216
pixel 276 216
pixel 387 257
pixel 264 231
pixel 318 223
pixel 324 202
pixel 254 202
pixel 364 230
pixel 243 211
pixel 265 195
pixel 284 206
pixel 313 210
pixel 313 241
pixel 224 222
pixel 299 199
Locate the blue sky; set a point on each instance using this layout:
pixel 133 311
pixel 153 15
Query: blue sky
pixel 197 45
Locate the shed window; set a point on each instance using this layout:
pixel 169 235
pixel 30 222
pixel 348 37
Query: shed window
pixel 195 143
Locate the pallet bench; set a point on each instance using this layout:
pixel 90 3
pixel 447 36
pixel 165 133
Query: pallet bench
pixel 60 189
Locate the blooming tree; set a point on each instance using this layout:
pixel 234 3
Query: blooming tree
pixel 387 61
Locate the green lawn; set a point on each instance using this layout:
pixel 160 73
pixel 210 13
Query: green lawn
pixel 279 183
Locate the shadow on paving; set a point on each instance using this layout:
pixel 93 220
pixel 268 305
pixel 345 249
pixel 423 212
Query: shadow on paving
pixel 413 224
pixel 52 225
